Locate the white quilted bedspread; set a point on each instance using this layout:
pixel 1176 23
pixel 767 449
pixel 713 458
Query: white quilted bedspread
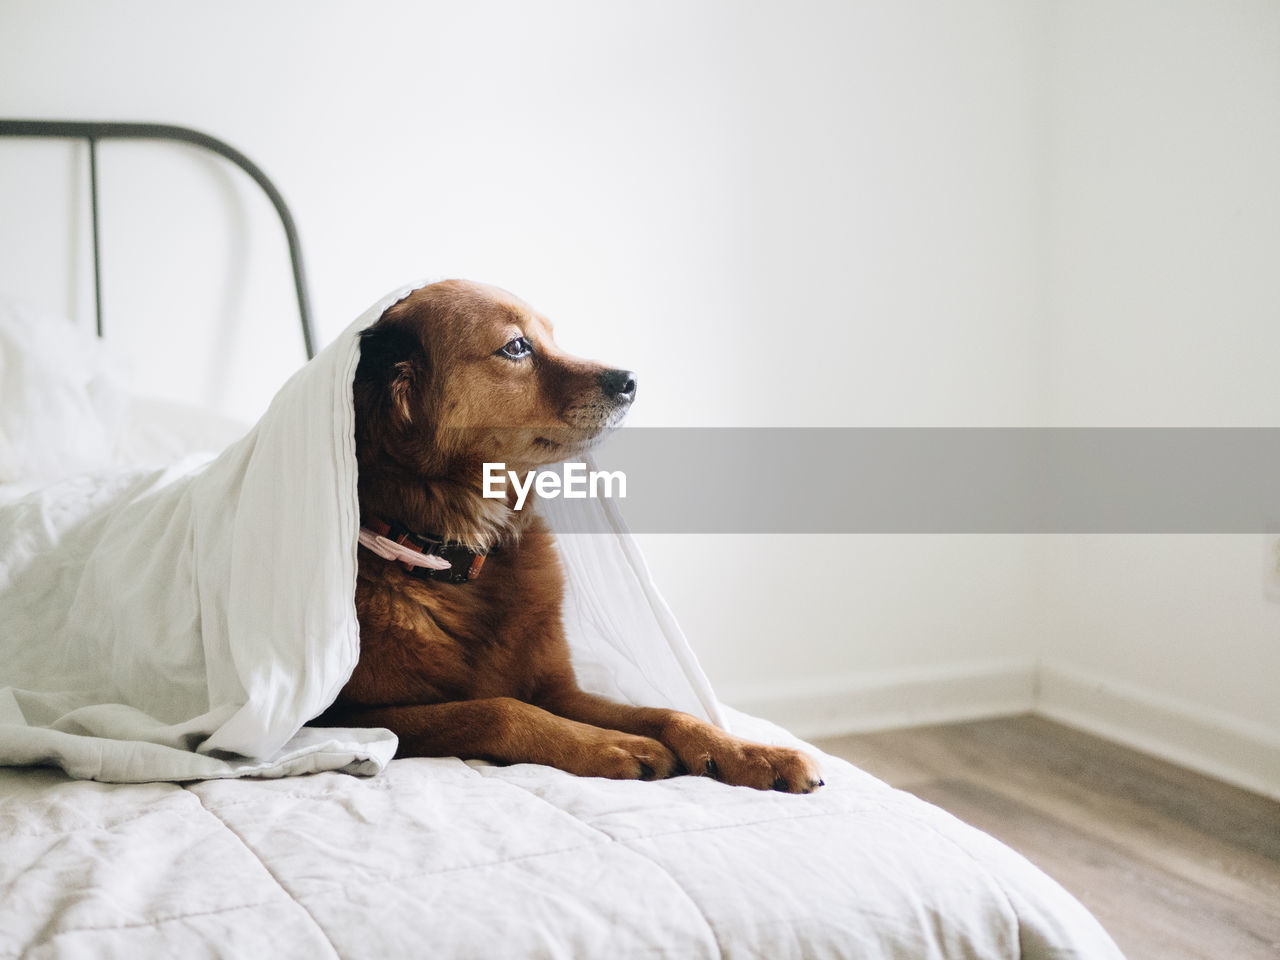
pixel 430 858
pixel 440 858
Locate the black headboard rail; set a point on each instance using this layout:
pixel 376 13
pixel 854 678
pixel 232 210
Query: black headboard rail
pixel 93 130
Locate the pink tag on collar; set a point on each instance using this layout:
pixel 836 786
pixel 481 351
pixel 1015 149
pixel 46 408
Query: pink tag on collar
pixel 390 550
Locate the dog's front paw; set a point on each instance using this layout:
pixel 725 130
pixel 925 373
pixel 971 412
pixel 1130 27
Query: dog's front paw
pixel 708 751
pixel 621 756
pixel 763 767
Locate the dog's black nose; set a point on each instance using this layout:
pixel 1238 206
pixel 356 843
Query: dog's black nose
pixel 618 385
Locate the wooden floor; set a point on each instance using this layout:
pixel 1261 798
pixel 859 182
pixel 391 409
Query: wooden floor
pixel 1175 865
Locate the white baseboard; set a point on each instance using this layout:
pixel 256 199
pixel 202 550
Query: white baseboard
pixel 1205 740
pixel 1210 742
pixel 884 699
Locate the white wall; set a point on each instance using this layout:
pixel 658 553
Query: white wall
pixel 1164 310
pixel 833 202
pixel 883 213
pixel 820 215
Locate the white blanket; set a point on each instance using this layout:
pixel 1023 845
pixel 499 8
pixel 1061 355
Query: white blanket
pixel 184 623
pixel 439 858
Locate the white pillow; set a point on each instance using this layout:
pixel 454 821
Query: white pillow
pixel 63 408
pixel 60 402
pixel 153 432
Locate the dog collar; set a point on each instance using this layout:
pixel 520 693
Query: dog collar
pixel 421 555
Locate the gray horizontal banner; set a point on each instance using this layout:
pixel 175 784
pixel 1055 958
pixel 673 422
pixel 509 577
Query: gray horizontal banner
pixel 927 480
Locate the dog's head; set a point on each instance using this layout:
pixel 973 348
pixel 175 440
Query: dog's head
pixel 459 373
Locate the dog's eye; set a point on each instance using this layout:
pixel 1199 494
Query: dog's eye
pixel 517 349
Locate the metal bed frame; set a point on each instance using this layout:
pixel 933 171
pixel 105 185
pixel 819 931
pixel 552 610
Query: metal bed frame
pixel 92 131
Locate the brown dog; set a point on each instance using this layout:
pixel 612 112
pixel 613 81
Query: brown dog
pixel 471 661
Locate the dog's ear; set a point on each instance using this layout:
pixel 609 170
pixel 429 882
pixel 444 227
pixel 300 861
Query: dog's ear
pixel 394 363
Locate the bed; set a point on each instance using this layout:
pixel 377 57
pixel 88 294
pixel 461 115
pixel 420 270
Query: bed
pixel 342 851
